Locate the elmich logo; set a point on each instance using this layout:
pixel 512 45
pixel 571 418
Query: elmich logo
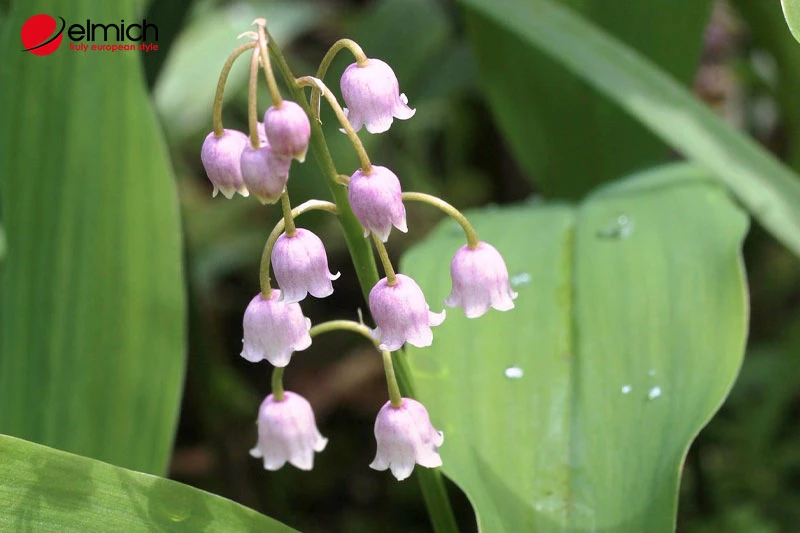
pixel 42 35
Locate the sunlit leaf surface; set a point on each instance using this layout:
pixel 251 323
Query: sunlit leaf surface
pixel 573 411
pixel 91 295
pixel 47 490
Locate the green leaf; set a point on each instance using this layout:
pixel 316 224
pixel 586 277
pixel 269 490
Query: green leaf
pixel 92 311
pixel 574 411
pixel 791 10
pixel 46 490
pixel 764 185
pixel 567 137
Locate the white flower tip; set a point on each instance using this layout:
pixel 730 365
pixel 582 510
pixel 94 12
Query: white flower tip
pixel 505 305
pixel 215 192
pixel 256 453
pixel 436 319
pixel 402 472
pixel 252 357
pixel 279 361
pixel 375 333
pixel 334 277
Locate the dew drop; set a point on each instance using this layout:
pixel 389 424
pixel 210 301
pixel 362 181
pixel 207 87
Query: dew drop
pixel 518 280
pixel 654 393
pixel 513 372
pixel 620 228
pixel 626 389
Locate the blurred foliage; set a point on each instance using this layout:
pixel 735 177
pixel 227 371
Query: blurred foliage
pixel 92 314
pixel 453 148
pixel 567 136
pixel 741 474
pixel 50 491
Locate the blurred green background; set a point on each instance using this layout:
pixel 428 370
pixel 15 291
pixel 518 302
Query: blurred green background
pixel 496 123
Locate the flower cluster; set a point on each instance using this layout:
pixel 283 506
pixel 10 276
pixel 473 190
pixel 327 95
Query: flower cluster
pixel 274 324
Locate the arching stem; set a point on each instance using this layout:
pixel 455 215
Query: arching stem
pixel 455 214
pixel 266 254
pixel 219 130
pixel 310 81
pixel 341 44
pixel 391 278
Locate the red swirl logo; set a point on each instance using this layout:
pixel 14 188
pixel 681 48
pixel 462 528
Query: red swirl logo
pixel 39 35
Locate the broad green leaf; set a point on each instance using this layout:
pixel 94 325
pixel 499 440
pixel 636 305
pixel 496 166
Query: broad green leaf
pixel 566 136
pixel 574 411
pixel 91 296
pixel 765 186
pixel 791 10
pixel 47 490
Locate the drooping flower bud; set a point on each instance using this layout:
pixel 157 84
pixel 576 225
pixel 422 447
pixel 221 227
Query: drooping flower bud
pixel 301 266
pixel 220 157
pixel 376 199
pixel 274 329
pixel 288 130
pixel 264 172
pixel 287 431
pixel 401 314
pixel 372 95
pixel 480 281
pixel 406 437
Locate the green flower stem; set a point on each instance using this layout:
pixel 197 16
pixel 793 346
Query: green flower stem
pixel 395 398
pixel 252 102
pixel 219 130
pixel 430 480
pixel 341 44
pixel 391 279
pixel 360 250
pixel 344 325
pixel 288 217
pixel 309 81
pixel 277 383
pixel 274 93
pixel 266 289
pixel 455 214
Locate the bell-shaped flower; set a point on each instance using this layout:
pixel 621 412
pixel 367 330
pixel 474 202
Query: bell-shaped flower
pixel 220 157
pixel 480 281
pixel 288 130
pixel 264 172
pixel 274 329
pixel 287 431
pixel 401 314
pixel 406 437
pixel 372 95
pixel 376 199
pixel 301 266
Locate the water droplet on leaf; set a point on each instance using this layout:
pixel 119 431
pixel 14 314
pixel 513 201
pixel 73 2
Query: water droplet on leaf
pixel 620 228
pixel 626 389
pixel 513 372
pixel 518 280
pixel 654 393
